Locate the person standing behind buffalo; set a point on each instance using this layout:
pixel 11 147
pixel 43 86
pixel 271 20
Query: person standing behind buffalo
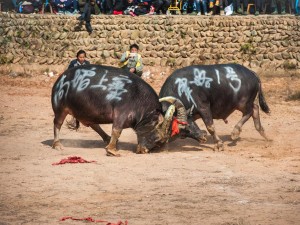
pixel 80 60
pixel 132 61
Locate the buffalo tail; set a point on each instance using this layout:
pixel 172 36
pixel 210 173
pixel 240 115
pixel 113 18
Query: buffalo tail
pixel 262 101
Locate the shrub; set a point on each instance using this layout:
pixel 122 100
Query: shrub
pixel 289 65
pixel 294 97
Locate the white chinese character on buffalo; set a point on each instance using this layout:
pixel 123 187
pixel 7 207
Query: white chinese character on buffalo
pixel 116 88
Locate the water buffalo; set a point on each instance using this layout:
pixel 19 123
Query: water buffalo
pixel 96 95
pixel 214 92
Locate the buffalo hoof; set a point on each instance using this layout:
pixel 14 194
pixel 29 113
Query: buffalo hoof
pixel 141 150
pixel 112 152
pixel 203 140
pixel 235 133
pixel 203 136
pixel 219 146
pixel 234 136
pixel 57 145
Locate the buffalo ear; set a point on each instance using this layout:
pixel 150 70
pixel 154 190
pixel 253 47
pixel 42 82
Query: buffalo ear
pixel 160 120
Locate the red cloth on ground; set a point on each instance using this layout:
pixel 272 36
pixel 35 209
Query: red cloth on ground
pixel 89 219
pixel 72 159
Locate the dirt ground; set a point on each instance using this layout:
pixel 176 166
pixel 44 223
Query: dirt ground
pixel 252 181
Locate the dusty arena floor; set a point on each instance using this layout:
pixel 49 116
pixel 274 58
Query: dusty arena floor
pixel 252 182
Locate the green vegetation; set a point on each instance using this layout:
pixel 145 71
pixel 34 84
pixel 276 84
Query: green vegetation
pixel 98 62
pixel 115 54
pixel 152 63
pixel 294 97
pixel 182 34
pixel 26 44
pixel 169 29
pixel 287 65
pixel 4 59
pixel 171 62
pixel 247 48
pixel 19 34
pixel 6 40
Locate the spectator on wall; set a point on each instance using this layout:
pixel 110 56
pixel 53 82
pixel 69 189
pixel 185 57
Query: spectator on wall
pixel 119 7
pixel 297 7
pixel 275 4
pixel 66 6
pixel 237 7
pixel 259 6
pixel 135 8
pixel 80 60
pixel 95 9
pixel 215 5
pixel 201 4
pixel 188 7
pixel 109 5
pixel 290 4
pixel 86 15
pixel 160 6
pixel 132 61
pixel 130 6
pixel 15 5
pixel 29 6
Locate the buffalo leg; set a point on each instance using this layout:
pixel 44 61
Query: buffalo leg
pixel 58 121
pixel 257 122
pixel 97 128
pixel 238 127
pixel 111 148
pixel 141 149
pixel 209 123
pixel 219 143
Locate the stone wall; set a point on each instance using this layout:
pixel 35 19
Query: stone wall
pixel 167 41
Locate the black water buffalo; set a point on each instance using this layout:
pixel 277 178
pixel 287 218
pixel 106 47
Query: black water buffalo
pixel 96 95
pixel 214 92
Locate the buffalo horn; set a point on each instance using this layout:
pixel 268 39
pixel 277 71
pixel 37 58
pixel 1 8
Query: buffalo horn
pixel 168 119
pixel 181 111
